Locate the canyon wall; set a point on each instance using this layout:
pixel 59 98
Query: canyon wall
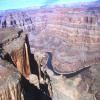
pixel 10 87
pixel 13 48
pixel 72 38
pixel 76 29
pixel 15 53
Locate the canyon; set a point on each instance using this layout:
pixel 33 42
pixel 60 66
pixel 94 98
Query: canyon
pixel 57 47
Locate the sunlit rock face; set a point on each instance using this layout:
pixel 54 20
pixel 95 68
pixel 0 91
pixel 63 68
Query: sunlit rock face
pixel 70 34
pixel 12 42
pixel 10 88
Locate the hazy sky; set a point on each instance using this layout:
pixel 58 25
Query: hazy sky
pixel 15 4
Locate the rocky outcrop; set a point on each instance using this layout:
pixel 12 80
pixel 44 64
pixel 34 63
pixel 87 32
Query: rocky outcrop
pixel 14 48
pixel 10 87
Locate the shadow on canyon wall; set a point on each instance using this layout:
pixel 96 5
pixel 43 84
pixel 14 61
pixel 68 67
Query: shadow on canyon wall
pixel 31 92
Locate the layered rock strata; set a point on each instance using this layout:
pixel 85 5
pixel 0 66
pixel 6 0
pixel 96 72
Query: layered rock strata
pixel 70 34
pixel 72 37
pixel 72 41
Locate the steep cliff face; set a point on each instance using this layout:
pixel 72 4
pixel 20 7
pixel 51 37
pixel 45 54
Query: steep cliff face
pixel 13 44
pixel 37 20
pixel 14 48
pixel 71 35
pixel 10 88
pixel 20 60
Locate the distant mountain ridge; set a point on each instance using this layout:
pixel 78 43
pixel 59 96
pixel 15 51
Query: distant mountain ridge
pixel 73 5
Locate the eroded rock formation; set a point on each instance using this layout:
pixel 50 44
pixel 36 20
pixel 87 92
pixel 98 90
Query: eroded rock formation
pixel 10 88
pixel 14 48
pixel 72 41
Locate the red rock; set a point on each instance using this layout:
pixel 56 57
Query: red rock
pixel 10 87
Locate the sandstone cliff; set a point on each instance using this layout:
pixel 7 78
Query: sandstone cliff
pixel 10 87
